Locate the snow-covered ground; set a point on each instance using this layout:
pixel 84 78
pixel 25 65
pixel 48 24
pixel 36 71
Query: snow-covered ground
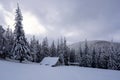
pixel 18 71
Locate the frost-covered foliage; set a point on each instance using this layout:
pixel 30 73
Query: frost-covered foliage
pixel 20 48
pixel 99 55
pixel 45 48
pixel 9 38
pixel 2 43
pixel 72 57
pixel 35 49
pixel 53 49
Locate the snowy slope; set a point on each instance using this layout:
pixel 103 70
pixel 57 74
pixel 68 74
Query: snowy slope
pixel 17 71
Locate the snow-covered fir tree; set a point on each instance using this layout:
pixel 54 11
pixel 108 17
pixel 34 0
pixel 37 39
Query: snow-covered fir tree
pixel 20 48
pixel 35 48
pixel 39 55
pixel 53 50
pixel 45 48
pixel 9 37
pixel 114 57
pixel 98 57
pixel 61 51
pixel 84 61
pixel 72 56
pixel 65 52
pixel 93 60
pixel 80 55
pixel 2 43
pixel 58 49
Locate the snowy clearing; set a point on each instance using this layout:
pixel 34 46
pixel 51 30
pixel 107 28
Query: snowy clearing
pixel 18 71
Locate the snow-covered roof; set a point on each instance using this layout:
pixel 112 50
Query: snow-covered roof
pixel 50 61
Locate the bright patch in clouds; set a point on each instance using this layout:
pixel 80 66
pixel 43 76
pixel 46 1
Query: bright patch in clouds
pixel 31 24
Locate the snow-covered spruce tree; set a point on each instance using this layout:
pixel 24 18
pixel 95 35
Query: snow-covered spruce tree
pixel 104 57
pixel 9 37
pixel 98 57
pixel 53 50
pixel 80 55
pixel 2 43
pixel 35 48
pixel 20 48
pixel 111 56
pixel 45 48
pixel 65 52
pixel 114 57
pixel 58 49
pixel 61 52
pixel 39 56
pixel 93 61
pixel 72 56
pixel 85 60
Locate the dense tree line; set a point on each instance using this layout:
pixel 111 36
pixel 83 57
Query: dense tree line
pixel 106 57
pixel 14 45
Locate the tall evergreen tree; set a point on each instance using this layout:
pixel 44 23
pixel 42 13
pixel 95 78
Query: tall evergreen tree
pixel 80 55
pixel 85 55
pixel 2 43
pixel 58 49
pixel 39 55
pixel 93 64
pixel 45 48
pixel 98 57
pixel 72 56
pixel 34 47
pixel 114 57
pixel 65 52
pixel 111 56
pixel 9 37
pixel 61 52
pixel 20 48
pixel 53 49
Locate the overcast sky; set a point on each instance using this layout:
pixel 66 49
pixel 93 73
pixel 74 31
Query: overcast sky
pixel 77 20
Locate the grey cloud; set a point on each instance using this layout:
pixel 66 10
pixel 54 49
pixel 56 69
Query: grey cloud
pixel 92 19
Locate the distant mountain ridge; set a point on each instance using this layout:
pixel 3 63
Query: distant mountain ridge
pixel 94 43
